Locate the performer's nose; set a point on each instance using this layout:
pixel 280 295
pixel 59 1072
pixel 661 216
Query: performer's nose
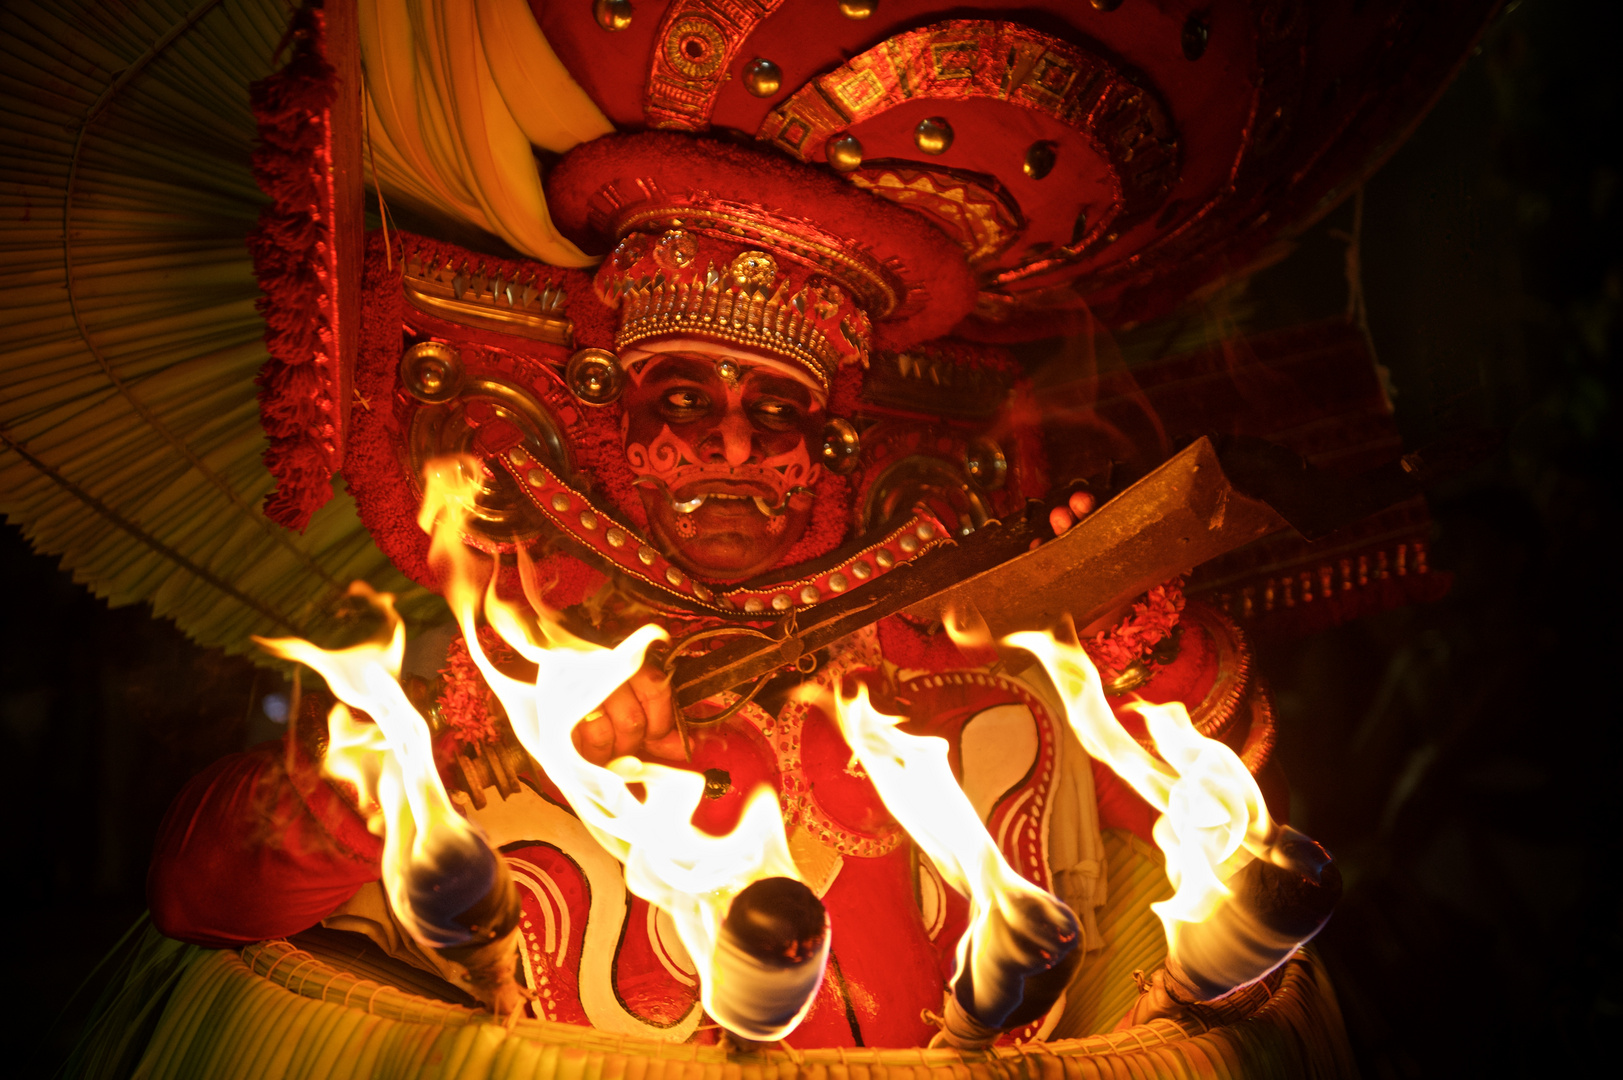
pixel 732 440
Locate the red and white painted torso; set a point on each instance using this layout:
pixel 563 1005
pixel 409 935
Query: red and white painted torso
pixel 597 955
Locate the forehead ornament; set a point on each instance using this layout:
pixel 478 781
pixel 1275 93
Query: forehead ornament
pixel 727 371
pixel 743 276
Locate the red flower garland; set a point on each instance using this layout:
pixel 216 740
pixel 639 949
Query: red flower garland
pixel 464 704
pixel 910 647
pixel 296 266
pixel 1152 619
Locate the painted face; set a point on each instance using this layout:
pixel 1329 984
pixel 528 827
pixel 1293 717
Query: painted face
pixel 722 449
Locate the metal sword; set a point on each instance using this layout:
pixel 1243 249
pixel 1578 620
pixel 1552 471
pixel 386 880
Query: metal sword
pixel 1206 500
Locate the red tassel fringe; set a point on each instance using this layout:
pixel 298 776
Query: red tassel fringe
pixel 295 263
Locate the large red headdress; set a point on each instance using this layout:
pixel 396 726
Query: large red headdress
pixel 847 186
pixel 1003 174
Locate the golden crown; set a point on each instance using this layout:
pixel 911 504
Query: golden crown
pixel 661 292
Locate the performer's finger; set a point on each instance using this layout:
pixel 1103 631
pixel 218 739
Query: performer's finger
pixel 594 738
pixel 1082 504
pixel 1060 519
pixel 653 689
pixel 630 722
pixel 669 747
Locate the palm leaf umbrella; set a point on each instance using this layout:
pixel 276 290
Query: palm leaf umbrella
pixel 130 442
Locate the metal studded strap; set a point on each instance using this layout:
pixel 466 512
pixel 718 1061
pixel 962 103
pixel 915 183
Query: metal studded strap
pixel 627 551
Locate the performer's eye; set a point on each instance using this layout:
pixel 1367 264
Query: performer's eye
pixel 685 404
pixel 776 415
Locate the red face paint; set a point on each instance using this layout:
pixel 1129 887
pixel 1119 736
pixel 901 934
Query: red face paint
pixel 722 450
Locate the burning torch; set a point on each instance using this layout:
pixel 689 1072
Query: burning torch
pixel 452 893
pixel 1021 948
pixel 1249 891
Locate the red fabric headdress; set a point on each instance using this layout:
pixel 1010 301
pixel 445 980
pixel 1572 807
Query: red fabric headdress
pixel 728 244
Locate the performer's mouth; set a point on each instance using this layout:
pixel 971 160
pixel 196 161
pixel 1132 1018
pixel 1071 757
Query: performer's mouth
pixel 767 507
pixel 727 494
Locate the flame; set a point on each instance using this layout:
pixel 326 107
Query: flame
pixel 1213 820
pixel 391 764
pixel 668 862
pixel 915 781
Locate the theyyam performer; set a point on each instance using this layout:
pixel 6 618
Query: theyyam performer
pixel 821 679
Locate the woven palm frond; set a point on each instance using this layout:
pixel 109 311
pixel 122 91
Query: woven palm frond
pixel 292 1014
pixel 130 442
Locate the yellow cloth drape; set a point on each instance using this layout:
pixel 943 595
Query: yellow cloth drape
pixel 458 94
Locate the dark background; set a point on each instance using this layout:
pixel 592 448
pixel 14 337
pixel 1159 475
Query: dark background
pixel 1461 759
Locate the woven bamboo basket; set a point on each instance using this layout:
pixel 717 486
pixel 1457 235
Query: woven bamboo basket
pixel 276 1011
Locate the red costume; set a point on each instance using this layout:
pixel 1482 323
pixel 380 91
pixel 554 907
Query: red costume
pixel 920 188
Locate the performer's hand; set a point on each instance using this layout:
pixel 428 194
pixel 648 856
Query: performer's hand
pixel 638 717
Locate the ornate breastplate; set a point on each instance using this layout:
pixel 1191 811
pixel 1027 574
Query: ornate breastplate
pixel 596 955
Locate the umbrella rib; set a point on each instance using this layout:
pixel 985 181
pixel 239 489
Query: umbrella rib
pixel 140 534
pixel 114 88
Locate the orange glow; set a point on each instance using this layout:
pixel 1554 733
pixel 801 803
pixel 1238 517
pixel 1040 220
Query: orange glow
pixel 1213 820
pixel 668 862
